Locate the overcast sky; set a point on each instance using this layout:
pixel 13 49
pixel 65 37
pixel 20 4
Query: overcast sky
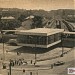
pixel 38 4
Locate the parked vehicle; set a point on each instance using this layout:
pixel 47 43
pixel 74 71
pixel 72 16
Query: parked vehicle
pixel 58 63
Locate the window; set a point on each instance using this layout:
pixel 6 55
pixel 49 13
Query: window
pixel 41 40
pixel 50 39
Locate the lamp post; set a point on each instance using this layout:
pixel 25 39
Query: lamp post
pixel 35 52
pixel 62 45
pixel 10 67
pixel 34 46
pixel 74 40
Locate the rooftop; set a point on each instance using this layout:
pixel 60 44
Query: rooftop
pixel 40 31
pixel 10 17
pixel 68 32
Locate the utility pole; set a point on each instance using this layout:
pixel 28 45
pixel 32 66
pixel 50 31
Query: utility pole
pixel 3 46
pixel 62 45
pixel 74 41
pixel 10 68
pixel 34 46
pixel 35 53
pixel 35 42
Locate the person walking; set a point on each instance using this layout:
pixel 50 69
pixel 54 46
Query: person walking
pixel 51 66
pixel 31 61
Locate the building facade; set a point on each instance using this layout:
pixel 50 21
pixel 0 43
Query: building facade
pixel 39 37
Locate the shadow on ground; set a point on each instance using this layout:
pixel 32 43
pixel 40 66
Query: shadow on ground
pixel 31 50
pixel 34 50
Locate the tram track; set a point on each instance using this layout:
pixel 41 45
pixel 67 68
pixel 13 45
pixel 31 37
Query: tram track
pixel 68 25
pixel 58 23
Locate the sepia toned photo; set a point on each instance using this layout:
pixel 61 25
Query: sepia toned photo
pixel 37 37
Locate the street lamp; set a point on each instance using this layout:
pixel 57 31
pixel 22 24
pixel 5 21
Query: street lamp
pixel 62 45
pixel 74 40
pixel 35 46
pixel 10 67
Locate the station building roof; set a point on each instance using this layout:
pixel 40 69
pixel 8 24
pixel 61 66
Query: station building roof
pixel 68 32
pixel 40 31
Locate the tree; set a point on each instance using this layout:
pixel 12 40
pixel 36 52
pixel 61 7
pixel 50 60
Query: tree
pixel 24 15
pixel 37 22
pixel 1 25
pixel 0 17
pixel 13 24
pixel 22 18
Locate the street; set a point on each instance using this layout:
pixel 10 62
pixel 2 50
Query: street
pixel 44 61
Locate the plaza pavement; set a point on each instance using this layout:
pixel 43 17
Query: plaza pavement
pixel 44 61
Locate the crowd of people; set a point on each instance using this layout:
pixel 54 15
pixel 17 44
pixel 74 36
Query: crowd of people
pixel 18 62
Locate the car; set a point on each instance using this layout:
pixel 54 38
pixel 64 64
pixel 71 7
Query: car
pixel 58 63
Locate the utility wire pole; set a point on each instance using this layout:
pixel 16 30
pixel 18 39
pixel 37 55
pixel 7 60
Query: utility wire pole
pixel 3 46
pixel 10 68
pixel 62 45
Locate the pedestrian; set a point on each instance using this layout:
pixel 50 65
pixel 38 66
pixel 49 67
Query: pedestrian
pixel 8 73
pixel 51 66
pixel 31 61
pixel 26 62
pixel 34 63
pixel 30 73
pixel 15 62
pixel 23 70
pixel 12 63
pixel 4 66
pixel 1 58
pixel 21 62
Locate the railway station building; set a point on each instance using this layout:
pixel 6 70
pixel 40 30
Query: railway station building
pixel 39 37
pixel 68 39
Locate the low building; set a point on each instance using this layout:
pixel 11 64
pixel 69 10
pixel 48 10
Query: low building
pixel 8 18
pixel 39 37
pixel 68 39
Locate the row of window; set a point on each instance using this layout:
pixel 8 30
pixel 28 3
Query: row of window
pixel 40 40
pixel 54 38
pixel 68 36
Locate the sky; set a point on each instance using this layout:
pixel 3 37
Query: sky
pixel 38 4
